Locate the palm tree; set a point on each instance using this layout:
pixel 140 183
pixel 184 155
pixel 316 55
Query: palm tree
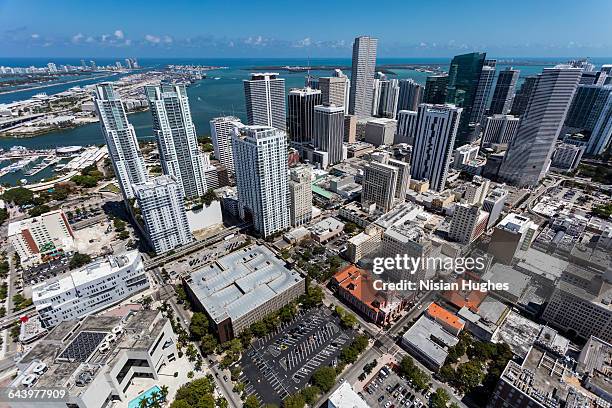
pixel 143 403
pixel 164 391
pixel 155 399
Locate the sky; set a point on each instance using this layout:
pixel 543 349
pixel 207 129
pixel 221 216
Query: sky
pixel 291 28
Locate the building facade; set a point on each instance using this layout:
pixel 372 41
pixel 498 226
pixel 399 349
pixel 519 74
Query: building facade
pixel 362 76
pixel 301 115
pixel 504 91
pixel 300 195
pixel 221 135
pixel 329 131
pixel 264 95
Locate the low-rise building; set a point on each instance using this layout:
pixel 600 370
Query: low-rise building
pixel 595 361
pixel 446 319
pixel 364 243
pixel 429 342
pixel 242 288
pixel 380 131
pixel 513 234
pixel 326 229
pixel 486 321
pixel 345 397
pixel 90 289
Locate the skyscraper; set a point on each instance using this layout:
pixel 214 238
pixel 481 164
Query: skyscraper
pixel 519 104
pixel 504 91
pixel 410 95
pixel 335 90
pixel 260 162
pixel 300 116
pixel 379 185
pixel 483 90
pixel 498 129
pixel 434 137
pixel 300 195
pixel 600 138
pixel 177 141
pixel 528 155
pixel 435 89
pixel 362 76
pixel 468 223
pixel 162 205
pixel 329 131
pixel 221 135
pixel 386 98
pixel 120 137
pixel 264 95
pixel 406 125
pixel 463 78
pixel 586 107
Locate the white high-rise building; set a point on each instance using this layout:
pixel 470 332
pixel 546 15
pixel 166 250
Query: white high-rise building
pixel 264 95
pixel 329 131
pixel 386 96
pixel 528 157
pixel 434 138
pixel 120 137
pixel 260 162
pixel 406 125
pixel 602 132
pixel 300 195
pixel 179 152
pixel 90 289
pixel 403 173
pixel 499 129
pixel 162 205
pixel 494 204
pixel 468 223
pixel 362 76
pixel 410 95
pixel 221 135
pixel 481 98
pixel 335 90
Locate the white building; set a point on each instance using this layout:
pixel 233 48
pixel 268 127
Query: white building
pixel 566 157
pixel 499 129
pixel 162 206
pixel 406 125
pixel 464 154
pixel 37 238
pixel 221 135
pixel 345 397
pixel 380 131
pixel 528 157
pixel 120 137
pixel 260 154
pixel 602 132
pixel 300 195
pixel 329 131
pixel 326 229
pixel 362 76
pixel 264 95
pixel 88 290
pixel 468 223
pixel 494 204
pixel 179 152
pixel 513 234
pixel 434 138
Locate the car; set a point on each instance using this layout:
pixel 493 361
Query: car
pixel 225 378
pixel 382 397
pixel 387 404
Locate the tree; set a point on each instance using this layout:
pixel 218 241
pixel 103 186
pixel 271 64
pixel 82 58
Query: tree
pixel 78 260
pixel 222 402
pixel 294 401
pixel 198 327
pixel 324 378
pixel 123 235
pixel 419 379
pixel 38 210
pixel 207 401
pixel 310 394
pixel 19 196
pixel 208 344
pixel 251 402
pixel 439 399
pixel 469 375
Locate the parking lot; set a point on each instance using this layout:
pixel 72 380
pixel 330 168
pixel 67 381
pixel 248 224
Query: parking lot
pixel 387 389
pixel 204 256
pixel 282 363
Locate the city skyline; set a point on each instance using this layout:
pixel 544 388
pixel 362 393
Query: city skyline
pixel 28 30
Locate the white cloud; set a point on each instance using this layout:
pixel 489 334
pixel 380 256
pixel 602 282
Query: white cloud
pixel 168 39
pixel 35 36
pixel 119 34
pixel 77 38
pixel 152 39
pixel 259 40
pixel 89 39
pixel 104 37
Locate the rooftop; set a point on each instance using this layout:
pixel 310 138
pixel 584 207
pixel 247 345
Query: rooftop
pixel 438 313
pixel 360 284
pixel 430 338
pixel 345 397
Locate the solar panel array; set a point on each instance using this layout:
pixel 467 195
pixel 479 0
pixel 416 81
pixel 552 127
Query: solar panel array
pixel 83 346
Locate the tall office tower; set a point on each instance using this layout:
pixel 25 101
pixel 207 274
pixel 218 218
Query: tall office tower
pixel 362 76
pixel 162 205
pixel 221 135
pixel 583 64
pixel 120 137
pixel 498 129
pixel 504 91
pixel 350 128
pixel 512 237
pixel 94 67
pixel 528 155
pixel 468 223
pixel 329 131
pixel 264 95
pixel 435 89
pixel 179 152
pixel 587 105
pixel 335 90
pixel 600 138
pixel 403 174
pixel 521 99
pixel 260 162
pixel 406 125
pixel 463 78
pixel 300 195
pixel 483 90
pixel 494 204
pixel 387 98
pixel 379 185
pixel 434 138
pixel 410 95
pixel 300 116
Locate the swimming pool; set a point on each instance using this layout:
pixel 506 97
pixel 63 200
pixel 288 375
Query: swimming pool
pixel 136 401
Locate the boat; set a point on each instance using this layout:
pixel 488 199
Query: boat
pixel 217 78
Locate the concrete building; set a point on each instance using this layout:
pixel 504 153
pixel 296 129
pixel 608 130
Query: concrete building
pixel 476 190
pixel 364 243
pixel 434 139
pixel 468 223
pixel 379 185
pixel 403 173
pixel 504 91
pixel 329 131
pixel 566 157
pixel 494 204
pixel 120 138
pixel 406 239
pixel 410 95
pixel 326 229
pixel 344 396
pixel 264 95
pixel 380 131
pixel 242 288
pixel 96 360
pixel 300 195
pixel 498 130
pixel 528 157
pixel 385 98
pixel 429 342
pixel 335 90
pixel 449 321
pixel 595 361
pixel 587 106
pixel 90 289
pixel 41 238
pixel 599 141
pixel 362 76
pixel 177 142
pixel 464 154
pixel 513 234
pixel 162 206
pixel 406 126
pixel 301 115
pixel 221 135
pixel 350 128
pixel 260 160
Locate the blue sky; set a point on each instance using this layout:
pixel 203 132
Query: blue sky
pixel 405 28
